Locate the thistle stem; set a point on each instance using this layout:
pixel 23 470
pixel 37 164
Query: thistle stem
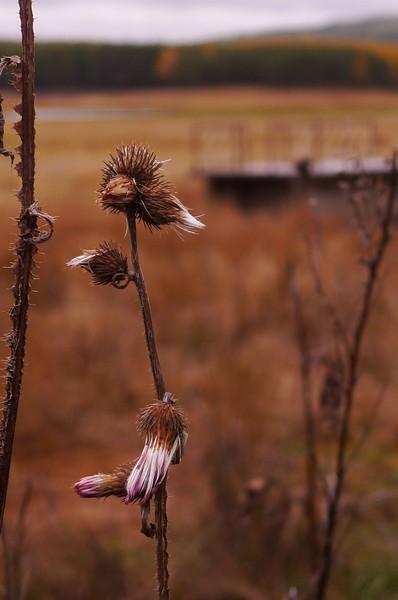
pixel 162 555
pixel 161 495
pixel 145 309
pixel 25 251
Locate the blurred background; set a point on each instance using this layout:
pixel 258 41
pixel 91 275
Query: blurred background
pixel 244 99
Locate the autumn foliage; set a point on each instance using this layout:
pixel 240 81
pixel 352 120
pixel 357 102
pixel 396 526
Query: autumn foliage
pixel 264 61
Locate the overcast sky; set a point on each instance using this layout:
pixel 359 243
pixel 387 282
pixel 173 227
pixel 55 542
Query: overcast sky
pixel 138 21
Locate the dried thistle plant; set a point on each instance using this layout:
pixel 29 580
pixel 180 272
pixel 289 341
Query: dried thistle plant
pixel 165 431
pixel 373 209
pixel 133 184
pixel 103 485
pixel 22 70
pixel 107 265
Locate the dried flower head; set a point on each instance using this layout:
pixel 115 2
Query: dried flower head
pixel 108 265
pixel 165 430
pixel 133 179
pixel 103 485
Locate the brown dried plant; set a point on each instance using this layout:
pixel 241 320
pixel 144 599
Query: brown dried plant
pixel 23 70
pixel 133 185
pixel 374 219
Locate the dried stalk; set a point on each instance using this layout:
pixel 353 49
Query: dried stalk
pixel 161 495
pixel 29 237
pixel 162 555
pixel 133 184
pixel 145 308
pixel 373 274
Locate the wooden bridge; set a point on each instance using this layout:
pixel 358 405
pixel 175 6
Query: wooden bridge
pixel 298 160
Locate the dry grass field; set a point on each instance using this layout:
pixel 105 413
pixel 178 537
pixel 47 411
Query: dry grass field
pixel 224 322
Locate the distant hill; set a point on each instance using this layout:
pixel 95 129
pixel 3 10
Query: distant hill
pixel 381 29
pixel 375 29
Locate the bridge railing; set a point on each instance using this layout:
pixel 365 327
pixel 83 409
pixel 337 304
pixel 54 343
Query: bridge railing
pixel 231 145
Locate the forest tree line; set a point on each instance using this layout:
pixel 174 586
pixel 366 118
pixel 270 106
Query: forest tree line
pixel 280 62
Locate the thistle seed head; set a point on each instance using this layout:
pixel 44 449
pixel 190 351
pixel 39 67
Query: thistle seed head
pixel 107 265
pixel 165 430
pixel 119 192
pixel 133 180
pixel 103 485
pixel 164 422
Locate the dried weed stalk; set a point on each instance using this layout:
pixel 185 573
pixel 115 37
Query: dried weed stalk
pixel 23 70
pixel 133 184
pixel 374 220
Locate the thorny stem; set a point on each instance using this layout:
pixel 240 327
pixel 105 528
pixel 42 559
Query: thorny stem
pixel 359 329
pixel 161 495
pixel 25 251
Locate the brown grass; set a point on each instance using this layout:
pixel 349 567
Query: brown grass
pixel 223 320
